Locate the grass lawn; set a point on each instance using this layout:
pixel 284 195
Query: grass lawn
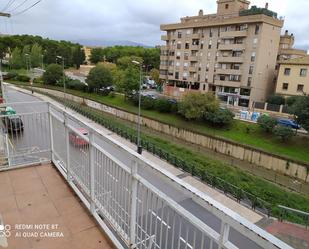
pixel 297 148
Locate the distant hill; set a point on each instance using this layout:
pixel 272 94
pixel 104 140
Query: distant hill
pixel 99 43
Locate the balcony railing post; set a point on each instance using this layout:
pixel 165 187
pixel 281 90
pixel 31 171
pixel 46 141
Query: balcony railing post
pixel 67 143
pixel 91 164
pixel 224 235
pixel 133 203
pixel 51 133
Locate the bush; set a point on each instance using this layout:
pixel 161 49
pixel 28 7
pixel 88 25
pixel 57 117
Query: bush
pixel 283 132
pixel 163 105
pixel 53 74
pixel 10 76
pixel 267 123
pixel 291 100
pixel 75 84
pixel 112 94
pixel 23 78
pixel 221 117
pixel 276 100
pixel 147 103
pixel 38 80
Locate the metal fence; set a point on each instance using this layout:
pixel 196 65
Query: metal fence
pixel 137 203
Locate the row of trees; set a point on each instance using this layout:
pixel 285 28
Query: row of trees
pixel 20 45
pixel 150 56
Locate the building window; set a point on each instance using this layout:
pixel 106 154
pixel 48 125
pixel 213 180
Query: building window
pixel 300 88
pixel 285 86
pixel 186 56
pixel 303 72
pixel 177 75
pixel 257 29
pixel 178 45
pixel 251 70
pixel 210 33
pixel 187 45
pixel 179 35
pixel 249 81
pixel 253 56
pixel 226 6
pixel 255 41
pixel 287 71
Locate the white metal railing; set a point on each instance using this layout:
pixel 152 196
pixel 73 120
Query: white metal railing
pixel 137 203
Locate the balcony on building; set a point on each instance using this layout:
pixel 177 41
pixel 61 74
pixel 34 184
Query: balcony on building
pixel 193 69
pixel 229 71
pixel 232 46
pixel 195 47
pixel 163 67
pixel 164 37
pixel 163 57
pixel 196 36
pixel 235 33
pixel 193 58
pixel 230 59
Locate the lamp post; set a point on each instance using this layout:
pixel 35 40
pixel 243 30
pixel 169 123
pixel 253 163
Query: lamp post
pixel 29 69
pixel 139 146
pixel 60 57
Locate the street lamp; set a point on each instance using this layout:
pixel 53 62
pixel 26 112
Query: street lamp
pixel 60 57
pixel 139 146
pixel 28 59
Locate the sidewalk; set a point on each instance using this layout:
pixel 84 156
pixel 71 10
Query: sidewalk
pixel 247 213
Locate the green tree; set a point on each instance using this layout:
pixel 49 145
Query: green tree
pixel 78 56
pixel 196 105
pixel 276 100
pixel 220 117
pixel 36 55
pixel 99 76
pixel 129 80
pixel 126 61
pixel 16 60
pixel 155 75
pixel 300 109
pixel 97 55
pixel 53 74
pixel 267 123
pixel 283 132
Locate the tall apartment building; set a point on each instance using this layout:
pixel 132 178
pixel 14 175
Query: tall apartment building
pixel 232 53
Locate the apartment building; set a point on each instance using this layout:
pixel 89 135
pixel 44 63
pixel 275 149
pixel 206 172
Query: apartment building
pixel 286 49
pixel 293 77
pixel 232 53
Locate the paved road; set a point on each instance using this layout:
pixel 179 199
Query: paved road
pixel 80 161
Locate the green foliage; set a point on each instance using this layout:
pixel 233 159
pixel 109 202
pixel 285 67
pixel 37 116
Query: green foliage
pixel 147 103
pixel 16 60
pixel 99 76
pixel 126 61
pixel 11 75
pixel 78 56
pixel 36 56
pixel 276 100
pixel 163 105
pixel 129 80
pixel 155 75
pixel 291 100
pixel 301 111
pixel 22 78
pixel 195 105
pixel 76 84
pixel 267 123
pixel 97 55
pixel 220 117
pixel 53 74
pixel 283 132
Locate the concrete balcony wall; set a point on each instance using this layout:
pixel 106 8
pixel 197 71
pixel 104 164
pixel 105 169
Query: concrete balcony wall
pixel 230 59
pixel 193 58
pixel 227 83
pixel 231 34
pixel 232 47
pixel 229 71
pixel 194 47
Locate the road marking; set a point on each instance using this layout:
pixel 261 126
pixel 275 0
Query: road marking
pixel 163 222
pixel 186 243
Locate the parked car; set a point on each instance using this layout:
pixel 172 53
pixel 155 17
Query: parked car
pixel 289 123
pixel 13 124
pixel 77 140
pixel 106 90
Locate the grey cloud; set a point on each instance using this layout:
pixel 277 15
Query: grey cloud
pixel 137 20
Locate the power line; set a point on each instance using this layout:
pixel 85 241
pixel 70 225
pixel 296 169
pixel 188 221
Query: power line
pixel 30 7
pixel 8 5
pixel 18 6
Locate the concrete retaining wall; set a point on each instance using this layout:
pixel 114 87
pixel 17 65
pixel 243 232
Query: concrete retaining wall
pixel 261 158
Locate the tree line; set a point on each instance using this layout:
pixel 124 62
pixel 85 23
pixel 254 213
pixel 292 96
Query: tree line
pixel 39 50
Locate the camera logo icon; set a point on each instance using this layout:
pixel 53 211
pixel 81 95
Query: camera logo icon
pixel 5 230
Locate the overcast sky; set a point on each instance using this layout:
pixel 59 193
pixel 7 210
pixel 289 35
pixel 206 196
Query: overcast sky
pixel 132 20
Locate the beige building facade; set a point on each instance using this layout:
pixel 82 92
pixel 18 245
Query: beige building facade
pixel 293 77
pixel 232 53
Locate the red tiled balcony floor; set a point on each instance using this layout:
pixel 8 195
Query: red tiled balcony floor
pixel 39 195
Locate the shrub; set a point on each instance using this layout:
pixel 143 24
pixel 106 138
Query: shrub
pixel 10 76
pixel 38 80
pixel 276 100
pixel 291 100
pixel 23 78
pixel 283 132
pixel 112 94
pixel 53 74
pixel 75 84
pixel 267 123
pixel 163 105
pixel 147 103
pixel 221 117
